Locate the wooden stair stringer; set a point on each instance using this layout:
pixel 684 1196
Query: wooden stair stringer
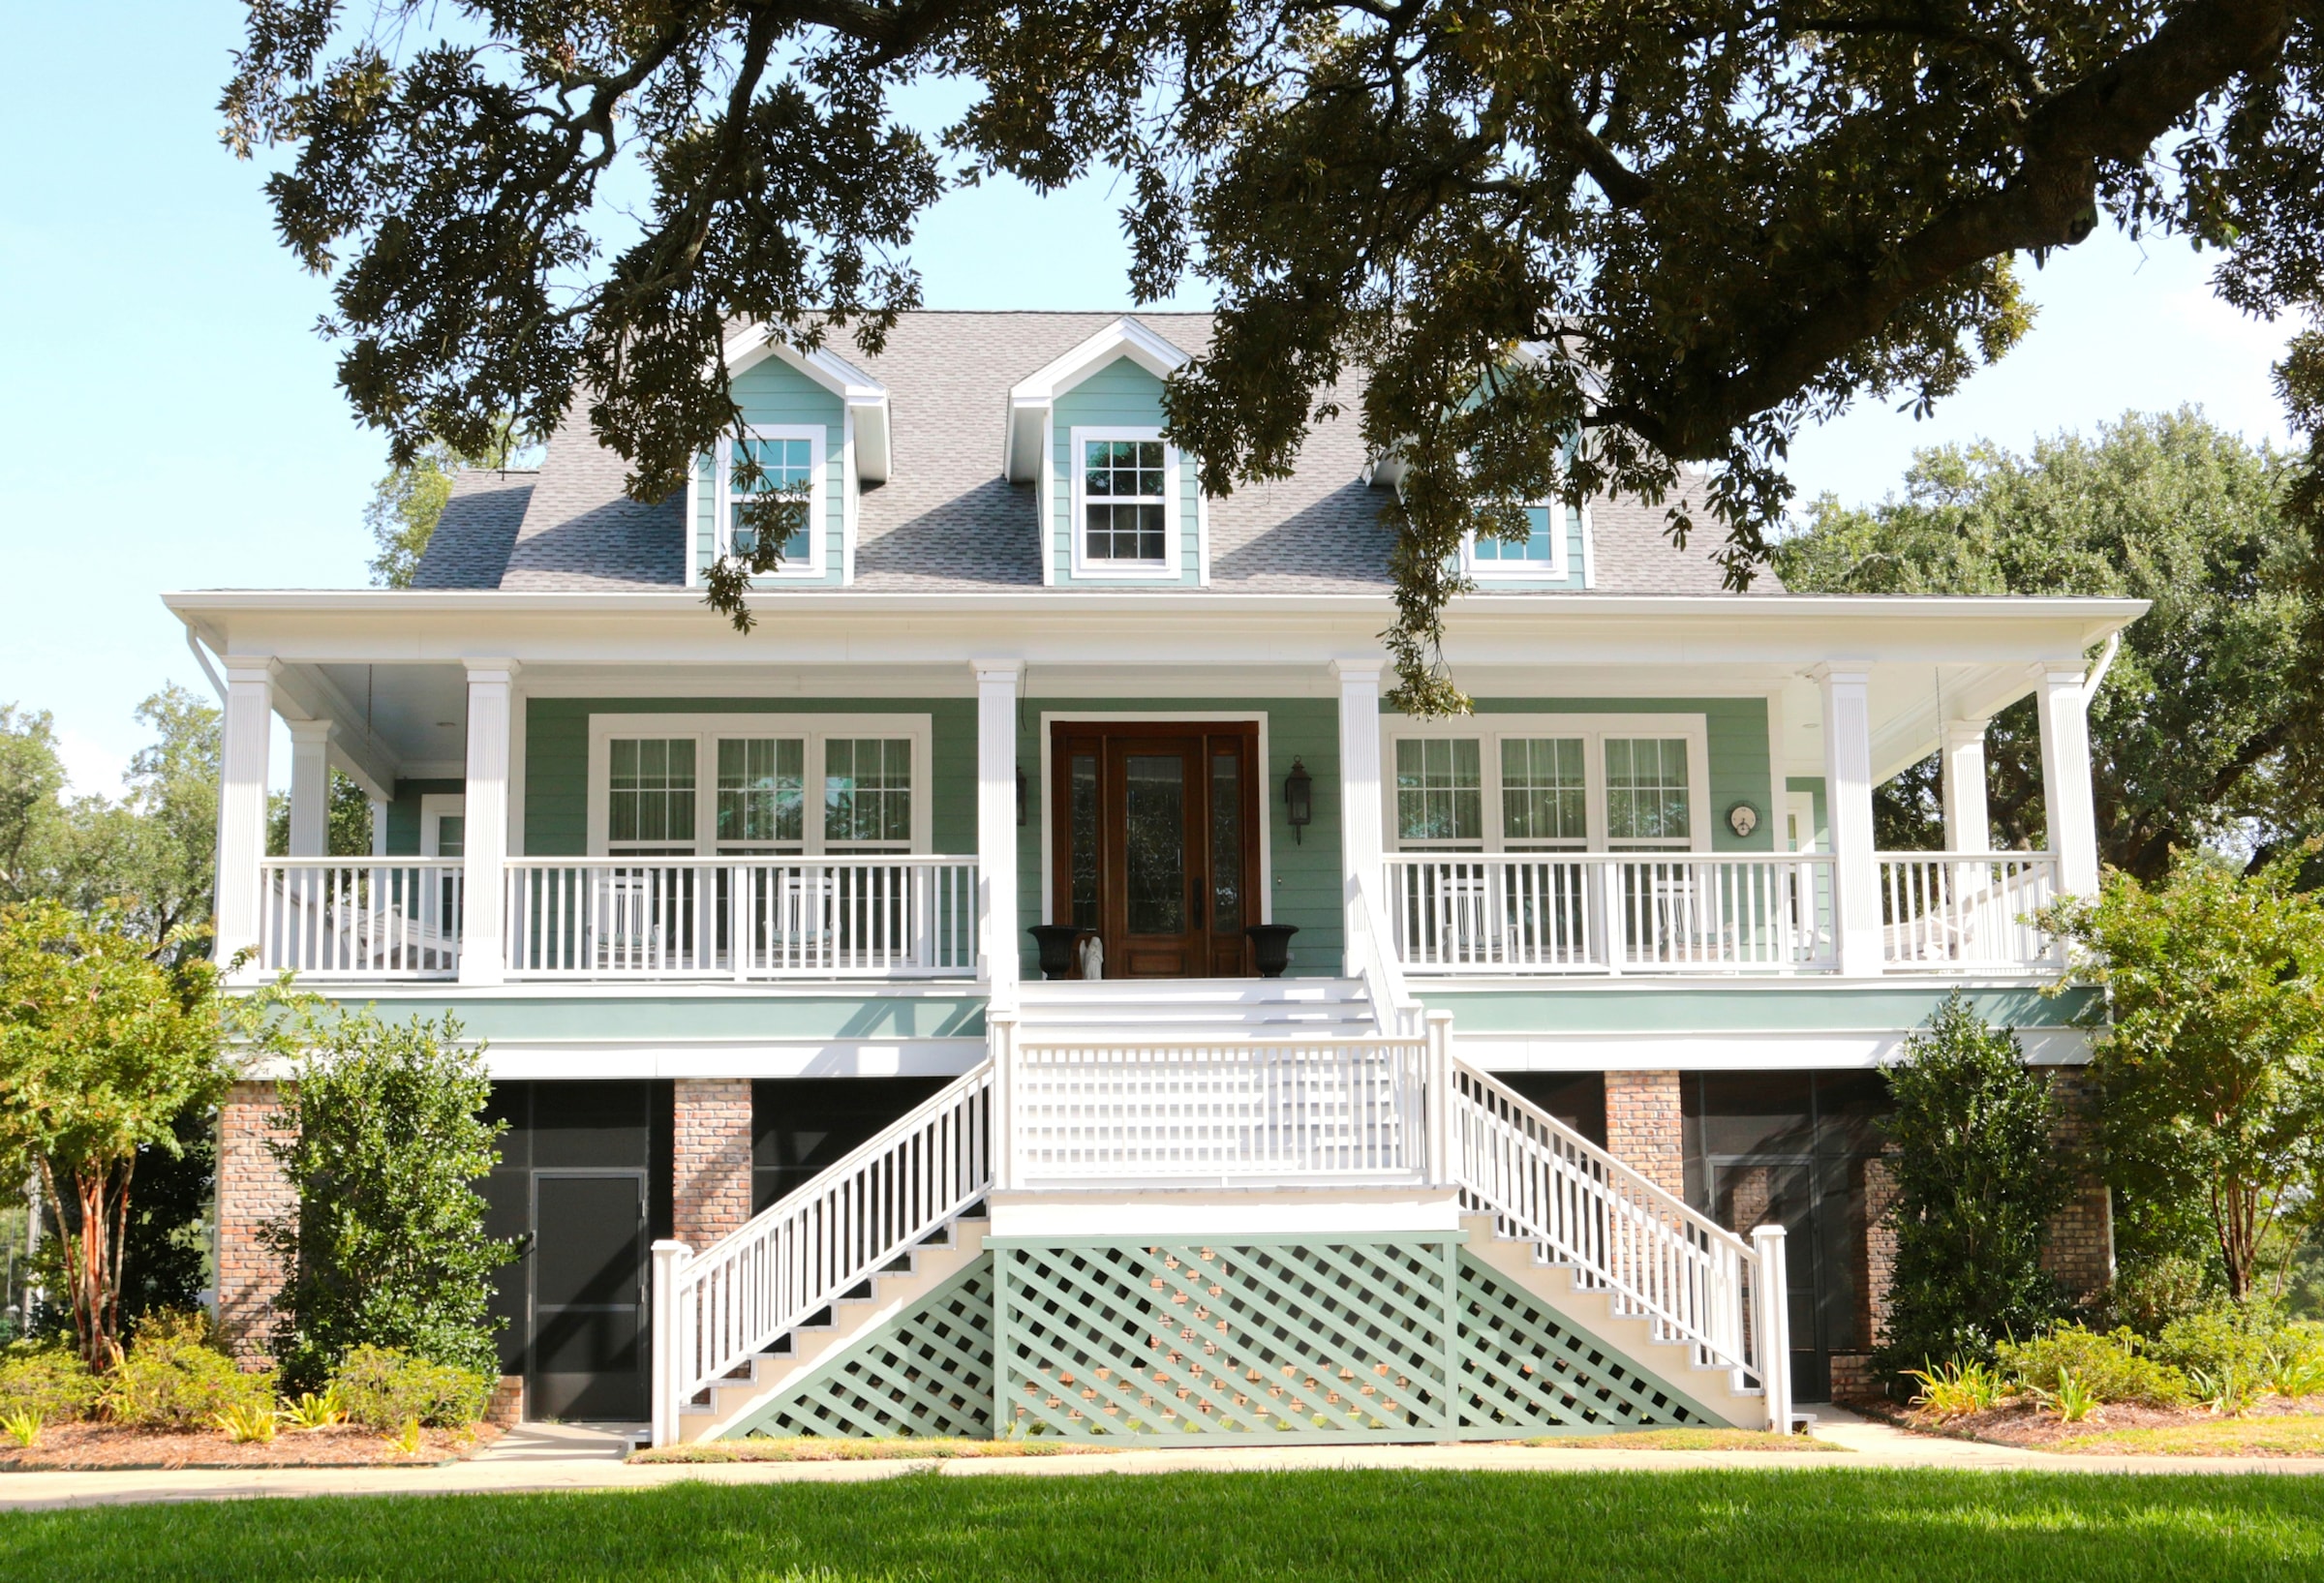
pixel 1706 1389
pixel 893 1292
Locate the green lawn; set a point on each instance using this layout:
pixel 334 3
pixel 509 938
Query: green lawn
pixel 1384 1526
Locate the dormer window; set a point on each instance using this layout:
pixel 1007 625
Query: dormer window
pixel 1122 501
pixel 790 463
pixel 1542 555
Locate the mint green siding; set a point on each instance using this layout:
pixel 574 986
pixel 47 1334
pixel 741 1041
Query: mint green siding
pixel 1120 395
pixel 1304 887
pixel 1736 729
pixel 402 812
pixel 1804 1006
pixel 556 759
pixel 1813 784
pixel 772 391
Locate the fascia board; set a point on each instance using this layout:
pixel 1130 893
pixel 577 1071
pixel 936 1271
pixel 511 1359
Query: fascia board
pixel 1124 337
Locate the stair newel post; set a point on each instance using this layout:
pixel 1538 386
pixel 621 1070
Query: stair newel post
pixel 1771 1319
pixel 1438 1069
pixel 670 1350
pixel 1005 1089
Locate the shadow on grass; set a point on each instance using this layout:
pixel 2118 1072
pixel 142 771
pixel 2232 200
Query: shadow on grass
pixel 1372 1525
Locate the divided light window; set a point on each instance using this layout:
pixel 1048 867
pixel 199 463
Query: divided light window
pixel 1124 503
pixel 1537 555
pixel 774 794
pixel 789 465
pixel 1544 793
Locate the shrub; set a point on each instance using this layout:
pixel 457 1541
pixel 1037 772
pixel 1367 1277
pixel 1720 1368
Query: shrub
pixel 2220 1340
pixel 2152 1294
pixel 385 1388
pixel 2108 1367
pixel 1956 1390
pixel 1977 1179
pixel 383 1142
pixel 176 1377
pixel 51 1382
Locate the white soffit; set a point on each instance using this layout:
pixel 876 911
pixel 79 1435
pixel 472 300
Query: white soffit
pixel 1032 398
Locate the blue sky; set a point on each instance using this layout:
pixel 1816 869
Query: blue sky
pixel 168 418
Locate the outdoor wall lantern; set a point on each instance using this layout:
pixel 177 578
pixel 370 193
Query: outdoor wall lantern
pixel 1299 799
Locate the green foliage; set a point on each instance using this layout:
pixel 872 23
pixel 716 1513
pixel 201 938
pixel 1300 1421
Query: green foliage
pixel 316 1410
pixel 1682 233
pixel 49 1381
pixel 2105 1367
pixel 345 816
pixel 23 1426
pixel 32 826
pixel 101 1051
pixel 2153 1294
pixel 2208 1051
pixel 176 1377
pixel 247 1422
pixel 1957 1388
pixel 385 1388
pixel 1977 1179
pixel 2210 685
pixel 384 1142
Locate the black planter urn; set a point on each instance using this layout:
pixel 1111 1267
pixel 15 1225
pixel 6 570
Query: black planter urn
pixel 1270 948
pixel 1055 944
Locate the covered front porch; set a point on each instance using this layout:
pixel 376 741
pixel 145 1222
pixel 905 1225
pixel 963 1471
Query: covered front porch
pixel 1676 788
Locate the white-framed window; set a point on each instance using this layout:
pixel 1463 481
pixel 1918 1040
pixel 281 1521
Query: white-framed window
pixel 1542 557
pixel 1125 503
pixel 790 458
pixel 810 784
pixel 442 825
pixel 1548 784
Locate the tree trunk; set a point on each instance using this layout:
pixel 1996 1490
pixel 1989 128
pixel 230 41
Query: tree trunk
pixel 92 1257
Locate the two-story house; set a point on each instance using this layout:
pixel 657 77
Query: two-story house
pixel 888 1006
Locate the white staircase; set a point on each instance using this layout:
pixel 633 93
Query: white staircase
pixel 1378 1100
pixel 1193 1011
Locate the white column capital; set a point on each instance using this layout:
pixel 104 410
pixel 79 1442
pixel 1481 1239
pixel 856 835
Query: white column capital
pixel 1843 672
pixel 1359 669
pixel 489 668
pixel 1959 733
pixel 308 731
pixel 248 668
pixel 998 672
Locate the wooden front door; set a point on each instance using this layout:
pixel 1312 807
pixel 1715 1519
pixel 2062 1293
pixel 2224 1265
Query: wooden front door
pixel 1157 844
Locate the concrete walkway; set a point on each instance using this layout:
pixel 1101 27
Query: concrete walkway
pixel 565 1457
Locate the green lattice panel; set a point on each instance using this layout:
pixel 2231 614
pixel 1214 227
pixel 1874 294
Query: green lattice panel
pixel 1263 1340
pixel 1523 1371
pixel 926 1372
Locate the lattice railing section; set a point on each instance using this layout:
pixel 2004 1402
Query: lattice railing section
pixel 1522 1371
pixel 1259 1341
pixel 925 1373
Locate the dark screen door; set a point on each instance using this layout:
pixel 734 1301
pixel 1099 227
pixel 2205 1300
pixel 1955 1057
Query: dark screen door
pixel 589 1295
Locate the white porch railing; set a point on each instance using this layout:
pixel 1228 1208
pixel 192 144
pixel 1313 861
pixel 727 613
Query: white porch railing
pixel 361 918
pixel 712 1310
pixel 833 917
pixel 1250 1112
pixel 1692 1279
pixel 1966 910
pixel 1600 912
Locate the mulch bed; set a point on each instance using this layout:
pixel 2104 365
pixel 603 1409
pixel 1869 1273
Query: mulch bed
pixel 94 1447
pixel 2023 1424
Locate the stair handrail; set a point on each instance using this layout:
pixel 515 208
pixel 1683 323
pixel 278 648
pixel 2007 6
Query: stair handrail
pixel 1394 1011
pixel 1693 1280
pixel 715 1309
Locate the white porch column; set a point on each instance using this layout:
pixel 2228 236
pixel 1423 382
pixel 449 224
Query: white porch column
pixel 1359 810
pixel 310 788
pixel 483 883
pixel 245 737
pixel 2066 792
pixel 997 685
pixel 379 828
pixel 1847 804
pixel 1967 826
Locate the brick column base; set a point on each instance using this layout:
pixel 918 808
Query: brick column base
pixel 712 1193
pixel 251 1189
pixel 2080 1249
pixel 1642 1127
pixel 507 1409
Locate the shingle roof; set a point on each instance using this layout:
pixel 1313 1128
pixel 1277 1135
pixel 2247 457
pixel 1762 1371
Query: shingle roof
pixel 469 546
pixel 948 520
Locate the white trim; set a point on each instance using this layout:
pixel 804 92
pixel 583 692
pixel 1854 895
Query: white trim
pixel 814 567
pixel 433 809
pixel 1172 567
pixel 1025 432
pixel 1188 717
pixel 1589 549
pixel 693 519
pixel 849 495
pixel 705 728
pixel 1593 729
pixel 1744 1051
pixel 1557 570
pixel 1202 536
pixel 856 390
